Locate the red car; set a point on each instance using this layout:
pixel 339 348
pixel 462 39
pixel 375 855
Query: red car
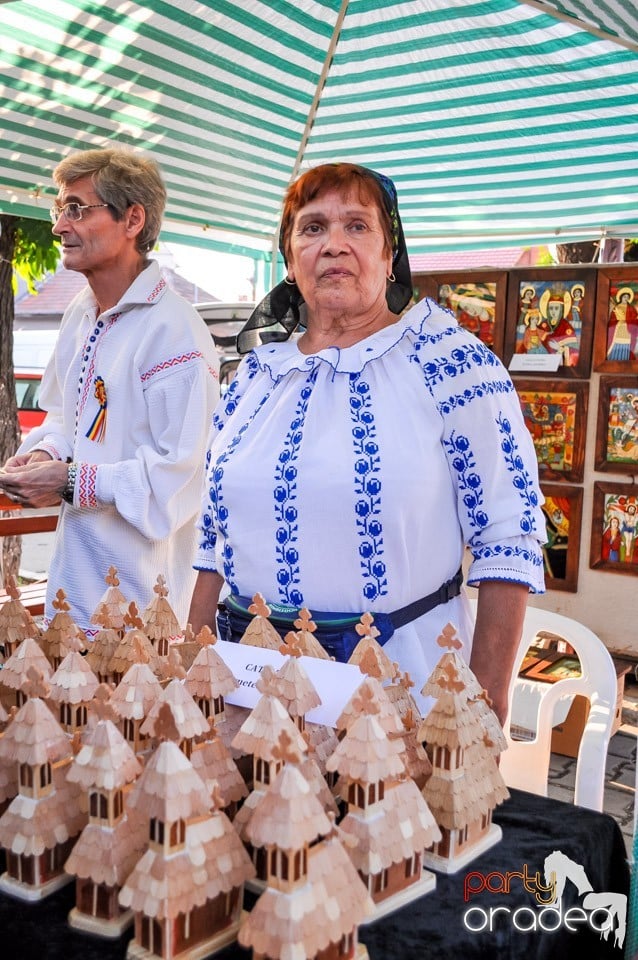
pixel 27 392
pixel 31 352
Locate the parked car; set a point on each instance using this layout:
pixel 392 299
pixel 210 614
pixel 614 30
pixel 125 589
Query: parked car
pixel 31 352
pixel 225 320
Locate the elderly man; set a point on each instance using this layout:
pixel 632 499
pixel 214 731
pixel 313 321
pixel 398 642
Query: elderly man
pixel 129 393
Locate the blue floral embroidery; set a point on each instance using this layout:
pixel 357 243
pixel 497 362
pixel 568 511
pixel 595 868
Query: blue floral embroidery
pixel 219 510
pixel 207 528
pixel 469 482
pixel 285 493
pixel 461 360
pixel 367 489
pixel 521 478
pixel 233 395
pixel 498 550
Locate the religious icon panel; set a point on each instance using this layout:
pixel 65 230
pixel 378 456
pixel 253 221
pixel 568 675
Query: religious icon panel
pixel 549 323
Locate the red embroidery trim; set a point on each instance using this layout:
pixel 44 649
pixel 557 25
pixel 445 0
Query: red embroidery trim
pixel 87 479
pixel 156 291
pixel 173 362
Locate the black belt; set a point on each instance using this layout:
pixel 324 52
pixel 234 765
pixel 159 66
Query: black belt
pixel 447 591
pixel 335 631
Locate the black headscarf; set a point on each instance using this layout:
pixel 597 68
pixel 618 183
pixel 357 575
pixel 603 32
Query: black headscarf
pixel 278 313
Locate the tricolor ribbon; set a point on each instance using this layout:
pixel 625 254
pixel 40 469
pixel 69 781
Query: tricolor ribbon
pixel 98 428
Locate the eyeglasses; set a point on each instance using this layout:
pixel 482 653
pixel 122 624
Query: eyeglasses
pixel 72 211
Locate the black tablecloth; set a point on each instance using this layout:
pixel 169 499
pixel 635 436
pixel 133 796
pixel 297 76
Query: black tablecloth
pixel 432 927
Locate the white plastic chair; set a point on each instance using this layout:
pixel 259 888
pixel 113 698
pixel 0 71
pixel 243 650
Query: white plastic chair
pixel 525 764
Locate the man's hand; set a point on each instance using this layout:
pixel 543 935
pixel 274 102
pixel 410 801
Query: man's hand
pixel 36 456
pixel 38 483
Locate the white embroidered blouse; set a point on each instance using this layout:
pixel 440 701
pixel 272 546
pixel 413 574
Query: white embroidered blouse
pixel 352 480
pixel 138 488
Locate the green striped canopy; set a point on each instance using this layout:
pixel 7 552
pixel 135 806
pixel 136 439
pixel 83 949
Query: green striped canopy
pixel 502 123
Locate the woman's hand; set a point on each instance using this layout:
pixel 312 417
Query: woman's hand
pixel 203 609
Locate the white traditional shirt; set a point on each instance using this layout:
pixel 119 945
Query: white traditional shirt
pixel 139 487
pixel 352 480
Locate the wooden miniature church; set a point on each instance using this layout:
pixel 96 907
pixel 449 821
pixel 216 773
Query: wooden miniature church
pixel 112 607
pixel 258 738
pixel 386 815
pixel 260 631
pixel 465 785
pixel 133 699
pixel 208 679
pixel 186 891
pixel 73 687
pixel 16 623
pixel 41 824
pixel 313 901
pixel 16 669
pixel 159 622
pixel 111 842
pixel 62 634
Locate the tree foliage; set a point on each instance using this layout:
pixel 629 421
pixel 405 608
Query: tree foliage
pixel 36 251
pixel 28 250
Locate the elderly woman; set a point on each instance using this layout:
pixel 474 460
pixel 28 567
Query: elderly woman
pixel 350 467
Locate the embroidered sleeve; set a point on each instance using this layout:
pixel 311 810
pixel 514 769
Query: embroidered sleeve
pixel 491 458
pixel 85 495
pixel 207 537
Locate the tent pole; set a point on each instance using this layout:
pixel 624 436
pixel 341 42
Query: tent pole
pixel 310 119
pixel 551 11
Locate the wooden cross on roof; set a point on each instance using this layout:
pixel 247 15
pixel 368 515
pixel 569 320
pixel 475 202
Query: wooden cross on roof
pixel 165 726
pixel 111 578
pixel 36 685
pixel 205 637
pixel 160 587
pixel 365 626
pixel 364 701
pixel 259 607
pixel 60 601
pixel 370 663
pixel 101 706
pixel 290 647
pixel 451 681
pixel 408 720
pixel 405 680
pixel 140 653
pixel 448 638
pixel 304 621
pixel 132 617
pixel 101 616
pixel 284 750
pixel 172 667
pixel 268 682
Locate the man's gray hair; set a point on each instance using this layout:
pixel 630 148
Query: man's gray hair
pixel 120 178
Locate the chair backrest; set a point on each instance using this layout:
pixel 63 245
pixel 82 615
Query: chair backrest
pixel 525 764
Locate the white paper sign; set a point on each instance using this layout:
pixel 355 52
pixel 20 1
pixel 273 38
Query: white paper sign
pixel 547 362
pixel 334 682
